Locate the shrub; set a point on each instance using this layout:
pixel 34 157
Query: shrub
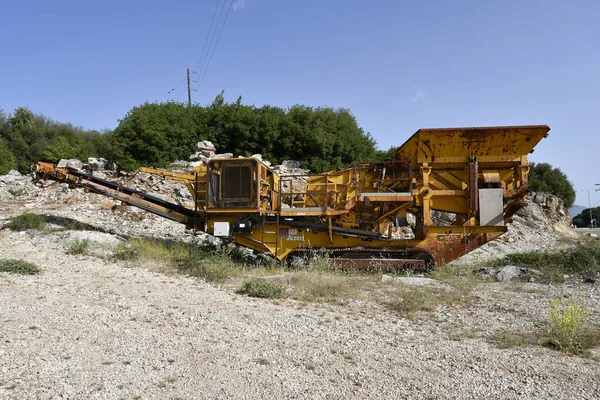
pixel 17 192
pixel 7 160
pixel 27 221
pixel 505 339
pixel 19 267
pixel 263 289
pixel 125 252
pixel 325 285
pixel 213 268
pixel 79 246
pixel 583 260
pixel 566 320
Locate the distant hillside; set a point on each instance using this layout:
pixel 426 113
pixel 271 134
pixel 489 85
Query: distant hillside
pixel 576 210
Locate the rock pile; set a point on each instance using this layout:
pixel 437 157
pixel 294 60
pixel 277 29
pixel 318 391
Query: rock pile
pixel 292 177
pixel 259 157
pixel 98 164
pixel 204 151
pixel 14 184
pixel 543 223
pixel 507 273
pixel 70 163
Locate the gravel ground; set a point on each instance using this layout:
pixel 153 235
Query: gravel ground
pixel 90 328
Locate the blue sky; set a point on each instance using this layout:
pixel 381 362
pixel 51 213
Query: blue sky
pixel 397 65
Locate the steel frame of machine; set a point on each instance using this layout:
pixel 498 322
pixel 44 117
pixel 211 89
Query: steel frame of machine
pixel 364 214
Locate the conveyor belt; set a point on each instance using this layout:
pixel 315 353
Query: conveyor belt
pixel 129 191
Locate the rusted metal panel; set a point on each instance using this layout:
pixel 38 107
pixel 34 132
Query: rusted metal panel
pixel 473 188
pixel 451 145
pixel 376 264
pixel 383 198
pixel 491 177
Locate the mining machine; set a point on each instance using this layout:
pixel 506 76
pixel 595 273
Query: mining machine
pixel 447 192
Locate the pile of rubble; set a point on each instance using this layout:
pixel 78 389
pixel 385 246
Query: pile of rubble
pixel 93 164
pixel 13 185
pixel 541 224
pixel 203 152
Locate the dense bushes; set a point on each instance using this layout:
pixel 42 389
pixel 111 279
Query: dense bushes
pixel 321 138
pixel 151 134
pixel 26 137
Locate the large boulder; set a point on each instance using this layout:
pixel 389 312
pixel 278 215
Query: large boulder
pixel 205 145
pixel 224 155
pixel 290 164
pixel 96 164
pixel 70 163
pixel 11 177
pixel 508 273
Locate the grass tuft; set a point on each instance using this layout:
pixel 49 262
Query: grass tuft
pixel 211 262
pixel 125 252
pixel 410 300
pixel 18 192
pixel 79 246
pixel 27 221
pixel 19 267
pixel 325 286
pixel 582 260
pixel 263 289
pixel 506 339
pixel 217 267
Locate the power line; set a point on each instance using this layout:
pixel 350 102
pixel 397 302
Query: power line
pixel 216 44
pixel 203 49
pixel 212 42
pixel 209 47
pixel 202 58
pixel 174 87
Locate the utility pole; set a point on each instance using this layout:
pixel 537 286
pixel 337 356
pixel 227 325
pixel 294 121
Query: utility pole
pixel 591 215
pixel 189 89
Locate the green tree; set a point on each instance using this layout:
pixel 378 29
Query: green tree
pixel 61 147
pixel 544 178
pixel 583 219
pixel 386 155
pixel 320 138
pixel 30 137
pixel 154 135
pixel 7 160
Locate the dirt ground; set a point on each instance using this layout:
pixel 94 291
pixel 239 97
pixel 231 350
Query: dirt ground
pixel 89 327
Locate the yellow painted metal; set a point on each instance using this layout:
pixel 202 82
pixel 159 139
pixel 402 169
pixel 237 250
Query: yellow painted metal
pixel 436 170
pixel 188 179
pixel 456 145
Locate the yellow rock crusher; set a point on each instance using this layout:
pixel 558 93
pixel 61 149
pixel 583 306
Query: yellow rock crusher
pixel 447 192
